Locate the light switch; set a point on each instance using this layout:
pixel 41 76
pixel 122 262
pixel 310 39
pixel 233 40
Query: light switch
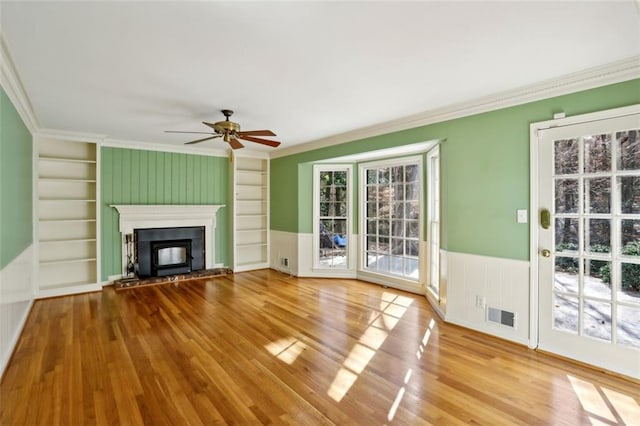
pixel 522 216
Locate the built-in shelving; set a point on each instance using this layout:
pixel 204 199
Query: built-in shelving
pixel 66 208
pixel 251 213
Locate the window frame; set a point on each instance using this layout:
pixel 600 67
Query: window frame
pixel 332 167
pixel 362 200
pixel 433 218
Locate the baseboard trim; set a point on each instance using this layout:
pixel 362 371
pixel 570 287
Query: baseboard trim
pixel 13 343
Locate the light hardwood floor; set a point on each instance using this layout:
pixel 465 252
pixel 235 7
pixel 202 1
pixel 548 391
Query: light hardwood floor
pixel 264 348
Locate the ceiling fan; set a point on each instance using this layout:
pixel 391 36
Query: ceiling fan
pixel 230 132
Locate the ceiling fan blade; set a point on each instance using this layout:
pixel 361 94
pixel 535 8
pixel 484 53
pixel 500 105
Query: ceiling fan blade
pixel 212 125
pixel 202 140
pixel 177 131
pixel 235 143
pixel 258 140
pixel 257 133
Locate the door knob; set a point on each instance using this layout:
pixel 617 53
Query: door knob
pixel 545 253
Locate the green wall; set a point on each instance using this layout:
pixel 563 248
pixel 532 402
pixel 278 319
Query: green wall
pixel 16 183
pixel 484 171
pixel 131 176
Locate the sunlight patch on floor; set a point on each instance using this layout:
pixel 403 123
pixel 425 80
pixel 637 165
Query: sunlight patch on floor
pixel 382 321
pixel 286 349
pixel 605 406
pixel 425 339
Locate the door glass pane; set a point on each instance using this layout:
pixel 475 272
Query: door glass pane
pixel 597 195
pixel 629 326
pixel 597 153
pixel 412 228
pixel 567 235
pixel 597 235
pixel 397 174
pixel 566 156
pixel 628 144
pixel 597 282
pixel 397 247
pixel 630 238
pixel 332 210
pixel 629 282
pixel 566 196
pixel 566 274
pixel 565 314
pixel 629 194
pixel 396 265
pixel 597 319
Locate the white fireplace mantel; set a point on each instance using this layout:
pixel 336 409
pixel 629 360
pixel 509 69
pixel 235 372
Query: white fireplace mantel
pixel 142 216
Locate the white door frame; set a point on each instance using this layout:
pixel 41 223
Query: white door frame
pixel 534 202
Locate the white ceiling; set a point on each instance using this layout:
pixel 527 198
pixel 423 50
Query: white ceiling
pixel 306 70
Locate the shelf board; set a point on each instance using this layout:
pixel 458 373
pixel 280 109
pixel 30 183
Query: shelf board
pixel 67 180
pixel 251 215
pixel 65 220
pixel 252 245
pixel 252 200
pixel 58 262
pixel 78 240
pixel 251 185
pixel 66 200
pixel 252 230
pixel 253 263
pixel 252 171
pixel 65 160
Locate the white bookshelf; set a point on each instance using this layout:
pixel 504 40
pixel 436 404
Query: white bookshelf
pixel 250 213
pixel 67 213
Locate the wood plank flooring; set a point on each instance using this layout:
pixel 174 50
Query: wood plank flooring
pixel 265 348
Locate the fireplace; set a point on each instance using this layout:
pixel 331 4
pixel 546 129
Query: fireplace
pixel 169 251
pixel 156 217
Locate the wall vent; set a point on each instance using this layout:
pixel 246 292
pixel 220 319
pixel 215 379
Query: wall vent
pixel 501 317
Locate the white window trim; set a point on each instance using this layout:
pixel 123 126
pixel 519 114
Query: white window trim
pixel 433 153
pixel 392 280
pixel 317 168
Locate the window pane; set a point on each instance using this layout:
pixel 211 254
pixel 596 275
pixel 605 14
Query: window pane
pixel 630 194
pixel 383 245
pixel 629 326
pixel 326 178
pixel 566 274
pixel 340 178
pixel 597 153
pixel 412 191
pixel 566 195
pixel 411 173
pixel 324 209
pixel 340 193
pixel 372 244
pixel 372 226
pixel 597 234
pixel 597 319
pixel 397 266
pixel 383 176
pixel 398 192
pixel 340 227
pixel 411 248
pixel 372 176
pixel 630 229
pixel 412 210
pixel 412 228
pixel 383 227
pixel 594 284
pixel 566 156
pixel 341 209
pixel 565 313
pixel 372 209
pixel 597 195
pixel 397 246
pixel 628 150
pixel 397 210
pixel 566 234
pixel 397 174
pixel 629 282
pixel 397 228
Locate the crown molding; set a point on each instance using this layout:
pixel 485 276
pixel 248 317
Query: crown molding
pixel 12 86
pixel 69 136
pixel 612 73
pixel 151 146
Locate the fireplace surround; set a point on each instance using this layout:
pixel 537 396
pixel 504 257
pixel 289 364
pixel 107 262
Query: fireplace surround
pixel 137 217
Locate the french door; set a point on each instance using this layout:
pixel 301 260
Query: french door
pixel 589 242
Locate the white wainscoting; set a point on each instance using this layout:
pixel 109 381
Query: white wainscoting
pixel 283 245
pixel 16 298
pixel 503 283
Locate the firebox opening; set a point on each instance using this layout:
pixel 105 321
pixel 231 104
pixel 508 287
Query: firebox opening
pixel 169 251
